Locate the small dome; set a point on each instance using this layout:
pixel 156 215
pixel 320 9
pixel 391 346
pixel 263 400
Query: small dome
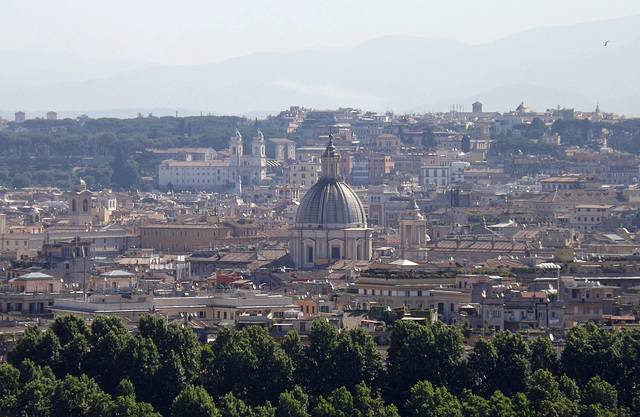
pixel 81 185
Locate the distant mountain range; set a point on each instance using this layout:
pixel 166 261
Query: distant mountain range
pixel 544 67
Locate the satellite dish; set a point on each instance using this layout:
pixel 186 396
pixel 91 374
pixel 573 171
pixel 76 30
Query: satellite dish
pixel 551 337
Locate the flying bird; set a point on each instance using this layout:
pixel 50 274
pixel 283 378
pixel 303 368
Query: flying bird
pixel 606 43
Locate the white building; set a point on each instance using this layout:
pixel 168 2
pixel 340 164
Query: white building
pixel 193 175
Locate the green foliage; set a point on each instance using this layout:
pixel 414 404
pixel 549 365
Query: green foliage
pixel 294 403
pixel 79 397
pixel 247 363
pixel 600 393
pixel 107 152
pixel 543 355
pixel 234 407
pixel 323 339
pixel 9 386
pixel 592 351
pixel 465 145
pixel 547 398
pixel 292 347
pixel 427 401
pixel 512 365
pixel 481 366
pixel 107 371
pixel 194 402
pixel 521 145
pixel 422 353
pixel 356 359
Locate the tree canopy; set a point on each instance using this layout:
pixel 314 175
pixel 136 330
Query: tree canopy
pixel 103 370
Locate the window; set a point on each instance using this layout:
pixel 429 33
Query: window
pixel 309 253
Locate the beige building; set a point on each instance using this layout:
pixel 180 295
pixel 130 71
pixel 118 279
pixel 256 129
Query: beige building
pixel 303 173
pixel 589 217
pixel 35 282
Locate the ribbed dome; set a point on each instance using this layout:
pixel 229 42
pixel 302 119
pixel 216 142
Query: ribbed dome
pixel 330 202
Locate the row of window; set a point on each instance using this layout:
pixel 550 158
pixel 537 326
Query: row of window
pixel 189 169
pixel 179 181
pixel 180 233
pixel 390 293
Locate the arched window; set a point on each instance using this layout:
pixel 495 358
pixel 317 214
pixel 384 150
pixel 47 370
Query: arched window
pixel 73 205
pixel 85 205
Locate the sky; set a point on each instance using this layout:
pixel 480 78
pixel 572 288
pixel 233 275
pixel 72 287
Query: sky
pixel 191 32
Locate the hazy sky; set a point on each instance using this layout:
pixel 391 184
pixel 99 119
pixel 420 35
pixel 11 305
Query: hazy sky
pixel 197 32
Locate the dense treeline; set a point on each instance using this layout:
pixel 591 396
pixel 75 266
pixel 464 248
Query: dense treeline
pixel 163 370
pixel 623 135
pixel 55 152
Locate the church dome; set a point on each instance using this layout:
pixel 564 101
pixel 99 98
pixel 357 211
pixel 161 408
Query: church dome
pixel 80 185
pixel 330 202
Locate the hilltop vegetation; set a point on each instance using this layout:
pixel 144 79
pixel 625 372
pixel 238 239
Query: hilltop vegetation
pixel 105 371
pixel 107 153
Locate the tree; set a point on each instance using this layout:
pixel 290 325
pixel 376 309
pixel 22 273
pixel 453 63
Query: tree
pixel 248 364
pixel 292 347
pixel 473 405
pixel 546 396
pixel 37 384
pixel 139 362
pixel 357 359
pixel 502 406
pixel 27 346
pixel 367 405
pixel 630 362
pixel 72 332
pixel 166 384
pixel 543 355
pixel 427 401
pixel 323 339
pixel 194 402
pixel 512 365
pixel 66 328
pixel 9 386
pixel 102 325
pixel 592 351
pixel 482 364
pixel 79 397
pixel 338 404
pixel 293 403
pixel 600 395
pixel 235 407
pixel 418 353
pixel 127 175
pixel 103 360
pixel 173 338
pixel 465 144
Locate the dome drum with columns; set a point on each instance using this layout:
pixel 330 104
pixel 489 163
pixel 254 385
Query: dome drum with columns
pixel 330 221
